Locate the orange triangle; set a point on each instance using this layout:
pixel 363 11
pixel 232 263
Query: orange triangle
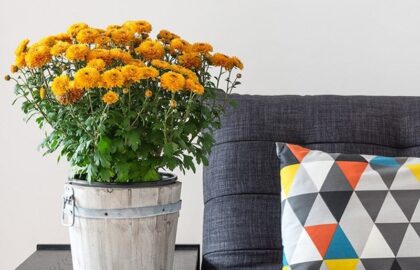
pixel 321 235
pixel 299 151
pixel 352 170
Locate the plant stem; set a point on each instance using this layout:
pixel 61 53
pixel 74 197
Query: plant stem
pixel 218 78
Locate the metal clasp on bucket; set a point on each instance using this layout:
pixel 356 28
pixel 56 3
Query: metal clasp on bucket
pixel 67 218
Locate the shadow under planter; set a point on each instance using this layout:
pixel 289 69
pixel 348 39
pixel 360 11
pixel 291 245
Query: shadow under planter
pixel 187 257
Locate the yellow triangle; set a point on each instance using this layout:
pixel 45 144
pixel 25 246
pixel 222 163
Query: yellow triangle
pixel 415 169
pixel 287 176
pixel 342 264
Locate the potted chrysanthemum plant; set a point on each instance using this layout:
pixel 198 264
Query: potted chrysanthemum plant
pixel 121 107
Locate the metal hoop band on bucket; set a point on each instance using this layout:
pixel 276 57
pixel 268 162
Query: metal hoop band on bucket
pixel 71 210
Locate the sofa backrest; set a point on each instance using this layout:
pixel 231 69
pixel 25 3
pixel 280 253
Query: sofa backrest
pixel 242 228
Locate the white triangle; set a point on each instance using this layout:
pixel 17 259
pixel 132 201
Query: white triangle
pixel 410 246
pixel 411 160
pixel 318 170
pixel 368 157
pixel 319 214
pixel 360 266
pixel 405 180
pixel 376 246
pixel 291 228
pixel 416 215
pixel 302 184
pixel 371 180
pixel 305 250
pixel 391 212
pixel 355 213
pixel 323 266
pixel 316 156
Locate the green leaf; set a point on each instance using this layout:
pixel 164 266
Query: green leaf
pixel 170 148
pixel 123 171
pixel 104 145
pixel 151 175
pixel 133 139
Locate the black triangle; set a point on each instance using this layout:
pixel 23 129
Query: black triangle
pixel 287 157
pixel 334 155
pixel 407 200
pixel 302 205
pixel 350 157
pixel 393 234
pixel 337 202
pixel 411 263
pixel 387 173
pixel 378 264
pixel 396 266
pixel 314 265
pixel 283 204
pixel 401 160
pixel 336 180
pixel 416 227
pixel 372 201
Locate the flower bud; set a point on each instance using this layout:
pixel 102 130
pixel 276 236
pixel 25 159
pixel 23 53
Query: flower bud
pixel 172 103
pixel 7 78
pixel 125 90
pixel 14 69
pixel 42 92
pixel 239 75
pixel 149 94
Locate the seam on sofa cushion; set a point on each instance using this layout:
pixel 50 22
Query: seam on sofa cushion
pixel 310 143
pixel 240 194
pixel 239 250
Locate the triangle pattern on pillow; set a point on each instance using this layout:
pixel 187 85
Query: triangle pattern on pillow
pixel 346 211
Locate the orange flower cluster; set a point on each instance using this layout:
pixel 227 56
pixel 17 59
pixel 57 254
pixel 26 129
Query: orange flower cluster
pixel 117 58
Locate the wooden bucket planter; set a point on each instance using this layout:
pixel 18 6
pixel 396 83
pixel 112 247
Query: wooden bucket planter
pixel 128 227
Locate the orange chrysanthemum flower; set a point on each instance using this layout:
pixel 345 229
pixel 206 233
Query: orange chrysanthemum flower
pixel 86 78
pixel 122 36
pixel 60 85
pixel 139 26
pixel 87 35
pixel 77 52
pixel 59 48
pixel 97 64
pixel 160 64
pixel 110 98
pixel 190 60
pixel 150 50
pixel 194 87
pixel 132 73
pixel 74 29
pixel 22 47
pixel 221 60
pixel 166 36
pixel 202 47
pixel 38 56
pixel 113 78
pixel 172 81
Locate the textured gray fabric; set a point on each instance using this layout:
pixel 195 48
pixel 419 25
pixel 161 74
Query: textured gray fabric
pixel 241 184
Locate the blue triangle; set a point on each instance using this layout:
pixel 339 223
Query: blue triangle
pixel 285 263
pixel 385 161
pixel 340 247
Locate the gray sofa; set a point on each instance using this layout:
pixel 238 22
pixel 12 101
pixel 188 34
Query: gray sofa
pixel 242 210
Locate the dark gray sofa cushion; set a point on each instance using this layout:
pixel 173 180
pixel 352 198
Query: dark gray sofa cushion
pixel 241 184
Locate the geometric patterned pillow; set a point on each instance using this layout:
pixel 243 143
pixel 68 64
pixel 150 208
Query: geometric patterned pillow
pixel 345 212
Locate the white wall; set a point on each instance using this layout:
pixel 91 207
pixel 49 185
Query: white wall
pixel 369 47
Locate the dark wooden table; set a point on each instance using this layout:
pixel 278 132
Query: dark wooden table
pixel 58 257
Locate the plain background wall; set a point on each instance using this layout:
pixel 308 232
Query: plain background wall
pixel 369 47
